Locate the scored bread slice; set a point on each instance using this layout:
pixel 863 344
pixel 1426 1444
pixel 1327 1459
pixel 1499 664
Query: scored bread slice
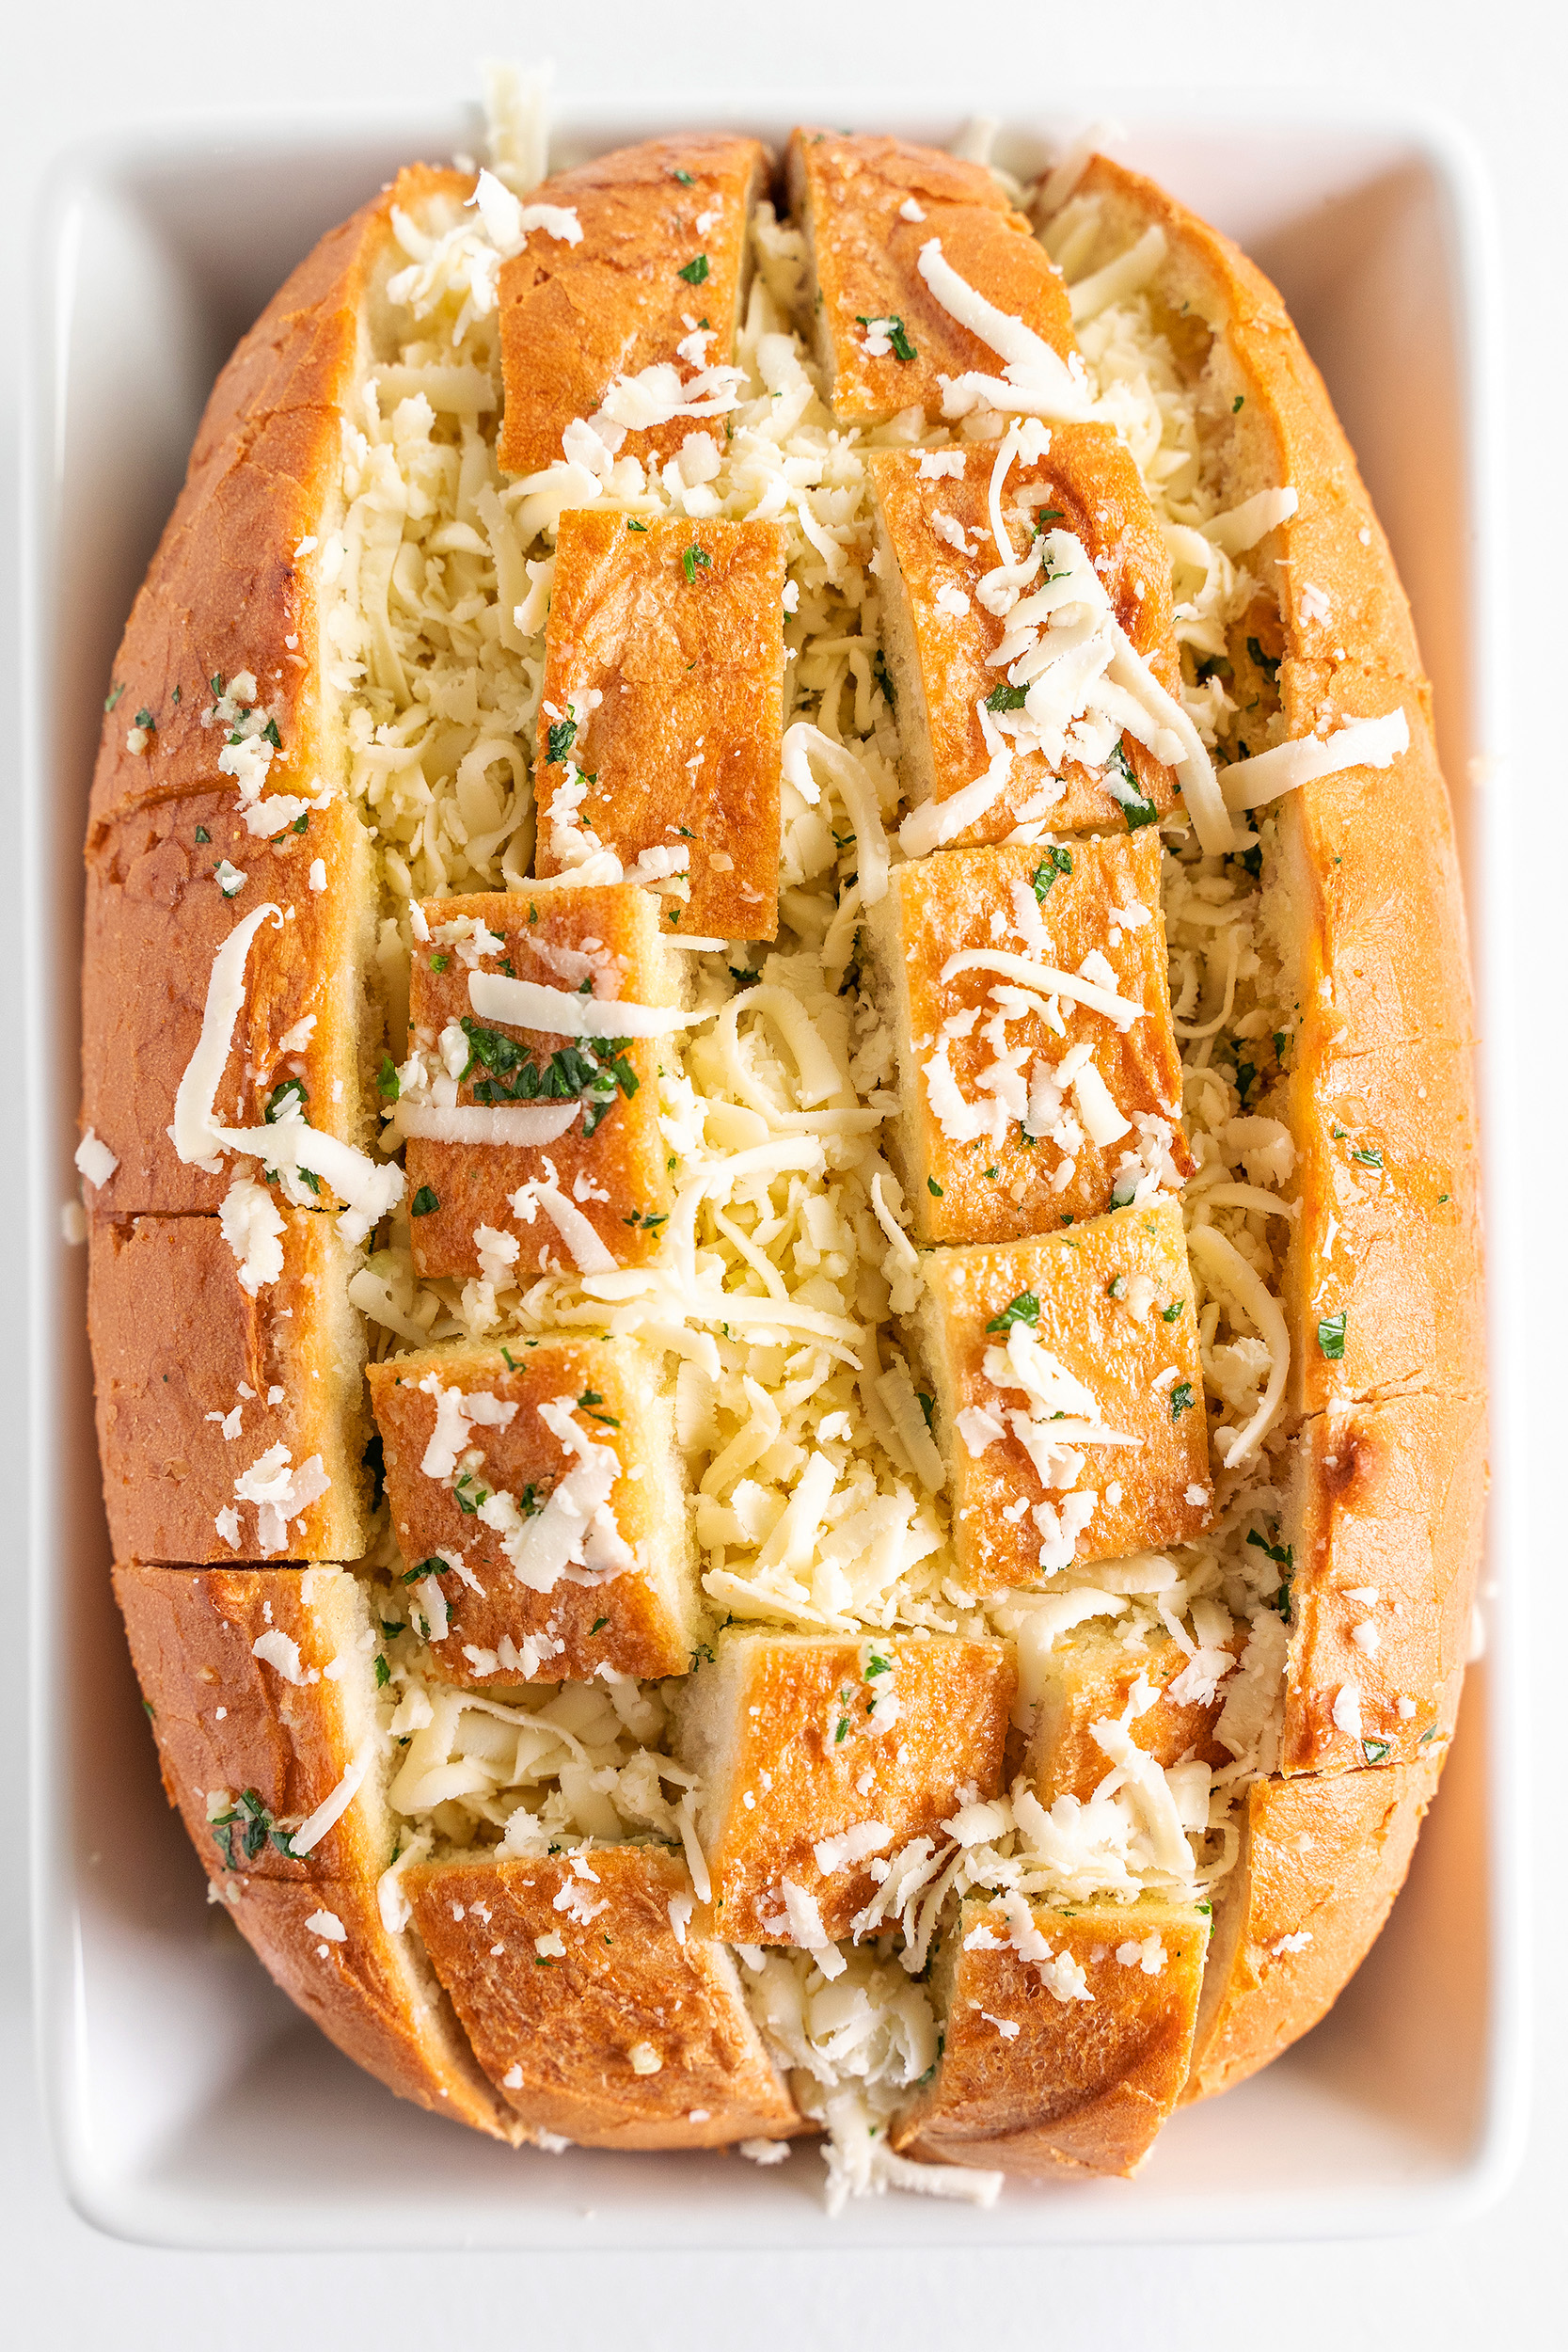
pixel 1067 2037
pixel 974 1170
pixel 261 1690
pixel 487 1454
pixel 660 253
pixel 231 1425
pixel 819 1756
pixel 1088 1677
pixel 1320 1864
pixel 1102 1317
pixel 598 2001
pixel 867 207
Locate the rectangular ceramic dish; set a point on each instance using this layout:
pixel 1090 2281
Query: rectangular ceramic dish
pixel 190 2105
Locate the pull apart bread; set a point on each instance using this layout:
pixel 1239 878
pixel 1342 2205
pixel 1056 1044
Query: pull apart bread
pixel 778 1128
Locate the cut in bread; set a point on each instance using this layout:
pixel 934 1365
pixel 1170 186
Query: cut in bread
pixel 1321 1863
pixel 1036 1348
pixel 661 259
pixel 661 725
pixel 599 2001
pixel 260 1688
pixel 609 1163
pixel 944 626
pixel 1381 1502
pixel 541 1503
pixel 989 1143
pixel 1067 2035
pixel 166 885
pixel 868 207
pixel 819 1756
pixel 231 1425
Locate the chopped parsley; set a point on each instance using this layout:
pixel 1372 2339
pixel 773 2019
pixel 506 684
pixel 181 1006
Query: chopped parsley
pixel 1331 1335
pixel 1180 1399
pixel 145 719
pixel 112 697
pixel 1247 1074
pixel 933 1187
pixel 878 671
pixel 468 1494
pixel 439 963
pixel 1169 1314
pixel 387 1082
pixel 1281 1554
pixel 690 558
pixel 202 834
pixel 563 735
pixel 1025 1307
pixel 648 1219
pixel 1005 697
pixel 894 331
pixel 249 1817
pixel 1122 785
pixel 588 1403
pixel 598 1625
pixel 1117 1286
pixel 1268 663
pixel 1367 1156
pixel 424 1201
pixel 928 1405
pixel 1236 403
pixel 592 1072
pixel 383 1674
pixel 687 181
pixel 278 1099
pixel 1054 863
pixel 695 272
pixel 632 524
pixel 1376 1751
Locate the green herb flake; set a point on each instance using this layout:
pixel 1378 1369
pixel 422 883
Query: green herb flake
pixel 1025 1307
pixel 632 524
pixel 1005 697
pixel 302 822
pixel 1376 1751
pixel 1180 1399
pixel 695 272
pixel 686 179
pixel 112 697
pixel 933 1187
pixel 1123 788
pixel 1281 1554
pixel 1268 663
pixel 598 1625
pixel 145 719
pixel 588 1403
pixel 690 558
pixel 1366 1155
pixel 202 834
pixel 563 735
pixel 388 1085
pixel 278 1099
pixel 439 963
pixel 1236 403
pixel 147 1710
pixel 1172 1312
pixel 1117 1286
pixel 1331 1336
pixel 424 1201
pixel 1054 863
pixel 383 1674
pixel 928 1405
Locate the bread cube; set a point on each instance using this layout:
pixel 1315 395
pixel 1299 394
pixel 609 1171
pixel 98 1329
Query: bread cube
pixel 808 1744
pixel 663 254
pixel 990 1144
pixel 661 723
pixel 539 1499
pixel 1067 2034
pixel 611 1164
pixel 1089 1676
pixel 255 1729
pixel 868 205
pixel 166 885
pixel 260 1688
pixel 1035 1349
pixel 934 529
pixel 1320 1864
pixel 598 2001
pixel 1381 1507
pixel 230 1426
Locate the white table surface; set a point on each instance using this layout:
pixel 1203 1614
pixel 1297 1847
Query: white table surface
pixel 74 70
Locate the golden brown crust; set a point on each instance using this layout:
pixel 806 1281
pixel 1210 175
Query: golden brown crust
pixel 1119 1356
pixel 228 590
pixel 174 1337
pixel 625 1158
pixel 628 2030
pixel 157 918
pixel 789 1735
pixel 643 1621
pixel 228 1721
pixel 1319 1865
pixel 846 194
pixel 1367 859
pixel 371 1993
pixel 1088 1677
pixel 575 316
pixel 1089 486
pixel 1382 1506
pixel 1080 2084
pixel 679 630
pixel 998 1188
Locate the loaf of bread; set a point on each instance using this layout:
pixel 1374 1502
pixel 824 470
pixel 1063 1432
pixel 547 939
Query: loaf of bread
pixel 779 1140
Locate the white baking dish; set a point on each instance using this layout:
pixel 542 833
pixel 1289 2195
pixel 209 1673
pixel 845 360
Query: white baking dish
pixel 190 2103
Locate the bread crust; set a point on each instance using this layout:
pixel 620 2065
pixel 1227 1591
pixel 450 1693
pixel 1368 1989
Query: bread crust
pixel 847 193
pixel 1320 1859
pixel 1081 2085
pixel 632 2034
pixel 576 316
pixel 176 1340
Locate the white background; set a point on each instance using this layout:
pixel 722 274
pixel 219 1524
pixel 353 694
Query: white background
pixel 72 71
